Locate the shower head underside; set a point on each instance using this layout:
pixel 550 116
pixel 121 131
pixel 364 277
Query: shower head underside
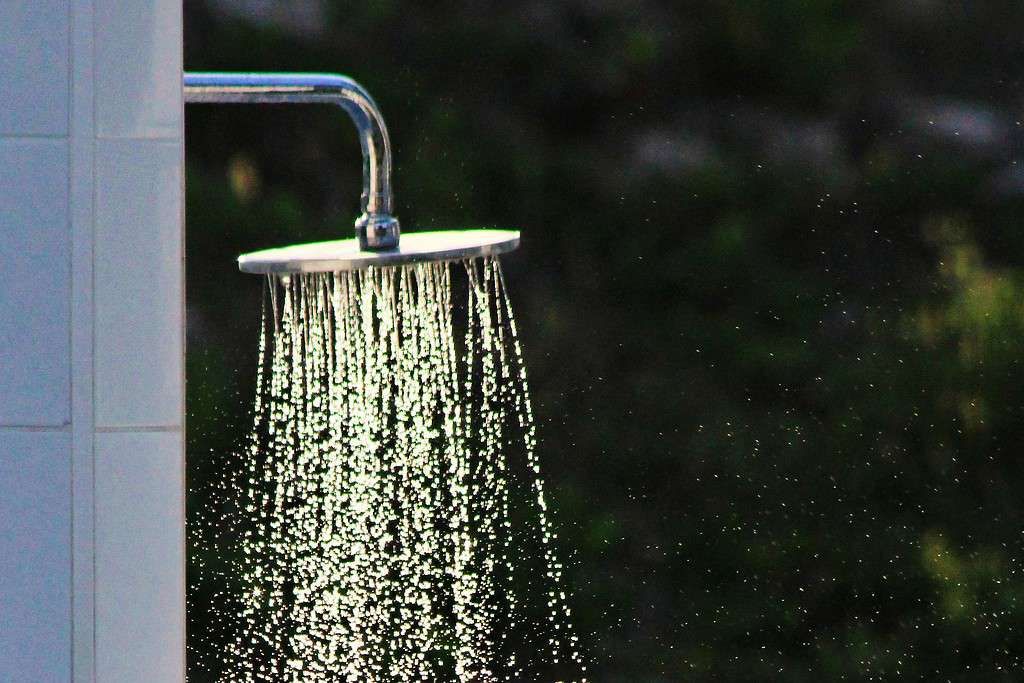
pixel 377 241
pixel 435 245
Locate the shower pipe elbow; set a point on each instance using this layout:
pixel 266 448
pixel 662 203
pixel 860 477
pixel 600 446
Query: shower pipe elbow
pixel 376 228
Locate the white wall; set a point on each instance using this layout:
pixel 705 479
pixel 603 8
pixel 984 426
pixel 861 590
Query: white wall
pixel 91 342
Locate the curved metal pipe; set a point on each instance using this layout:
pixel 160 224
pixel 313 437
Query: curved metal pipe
pixel 376 228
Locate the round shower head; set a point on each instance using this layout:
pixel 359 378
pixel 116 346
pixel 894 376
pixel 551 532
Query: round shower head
pixel 439 245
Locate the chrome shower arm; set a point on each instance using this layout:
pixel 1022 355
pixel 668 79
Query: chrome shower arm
pixel 376 227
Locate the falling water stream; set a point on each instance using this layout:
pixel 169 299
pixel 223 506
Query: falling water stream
pixel 392 521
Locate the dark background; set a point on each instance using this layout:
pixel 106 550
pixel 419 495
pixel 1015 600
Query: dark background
pixel 771 292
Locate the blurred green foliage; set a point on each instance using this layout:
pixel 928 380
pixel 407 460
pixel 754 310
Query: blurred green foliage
pixel 771 291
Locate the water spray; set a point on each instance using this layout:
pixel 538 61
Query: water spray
pixel 376 490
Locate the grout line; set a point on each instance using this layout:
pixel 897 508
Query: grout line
pixel 73 429
pixel 128 429
pixel 94 202
pixel 82 127
pixel 34 136
pixel 65 427
pixel 162 137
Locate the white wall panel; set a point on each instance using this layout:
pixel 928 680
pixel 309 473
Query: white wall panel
pixel 140 559
pixel 35 556
pixel 138 275
pixel 35 282
pixel 34 67
pixel 91 342
pixel 138 68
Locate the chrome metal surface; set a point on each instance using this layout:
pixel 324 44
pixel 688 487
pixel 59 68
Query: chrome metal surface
pixel 440 245
pixel 376 228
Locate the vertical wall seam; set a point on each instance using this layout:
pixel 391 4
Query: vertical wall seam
pixel 184 341
pixel 71 328
pixel 81 128
pixel 92 314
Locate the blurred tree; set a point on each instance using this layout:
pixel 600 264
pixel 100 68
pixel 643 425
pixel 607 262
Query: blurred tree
pixel 770 289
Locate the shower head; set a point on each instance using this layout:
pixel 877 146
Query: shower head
pixel 377 241
pixel 435 245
